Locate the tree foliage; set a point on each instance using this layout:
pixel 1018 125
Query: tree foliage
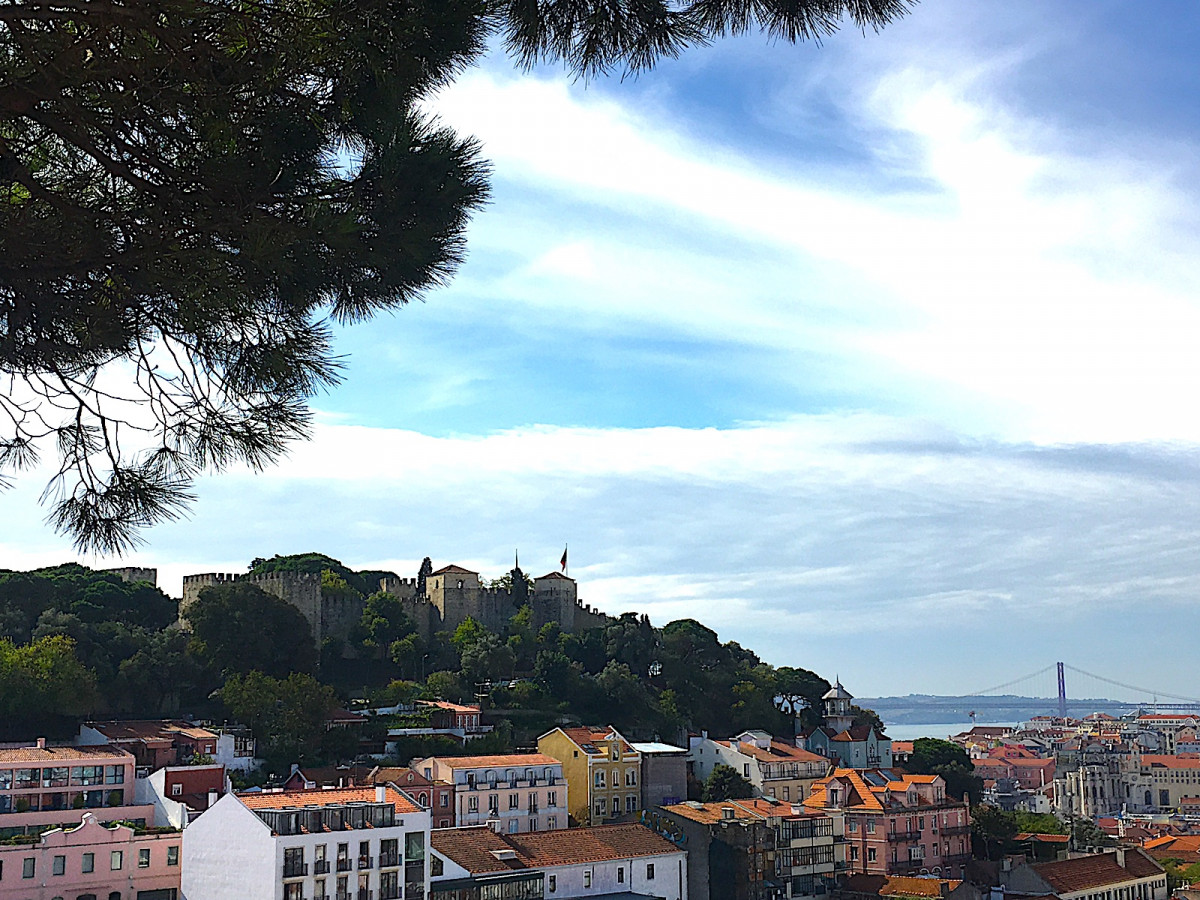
pixel 192 188
pixel 238 628
pixel 288 715
pixel 726 783
pixel 40 682
pixel 932 756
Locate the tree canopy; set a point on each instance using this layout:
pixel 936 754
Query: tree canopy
pixel 237 628
pixel 192 189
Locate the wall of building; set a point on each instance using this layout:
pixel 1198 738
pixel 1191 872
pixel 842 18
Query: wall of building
pixel 620 876
pixel 229 854
pixel 107 875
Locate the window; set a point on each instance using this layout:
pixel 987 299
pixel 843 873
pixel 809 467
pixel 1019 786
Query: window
pixel 173 854
pixel 852 826
pixel 551 822
pixel 293 891
pixel 493 803
pixel 116 860
pixel 631 803
pixel 514 801
pixel 587 878
pixel 445 798
pixel 600 782
pixel 114 774
pixel 870 826
pixel 89 862
pixel 853 853
pixel 552 883
pixel 513 826
pixel 59 865
pixel 870 854
pixel 176 789
pixel 746 770
pixel 472 804
pixel 649 871
pixel 28 865
pixel 620 874
pixel 144 858
pixel 552 798
pixel 787 793
pixel 601 807
pixel 615 753
pixel 631 776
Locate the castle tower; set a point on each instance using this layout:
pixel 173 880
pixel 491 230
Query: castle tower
pixel 554 599
pixel 454 592
pixel 837 708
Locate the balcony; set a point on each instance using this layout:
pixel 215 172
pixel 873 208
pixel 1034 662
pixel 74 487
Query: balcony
pixel 896 836
pixel 414 890
pixel 343 865
pixel 363 894
pixel 321 867
pixel 342 895
pixel 387 860
pixel 366 862
pixel 295 870
pixel 956 829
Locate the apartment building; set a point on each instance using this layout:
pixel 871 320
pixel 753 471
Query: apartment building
pixel 602 769
pixel 777 768
pixel 754 849
pixel 897 824
pixel 625 860
pixel 154 743
pixel 92 860
pixel 435 796
pixel 1156 782
pixel 512 793
pixel 366 843
pixel 1123 874
pixel 46 785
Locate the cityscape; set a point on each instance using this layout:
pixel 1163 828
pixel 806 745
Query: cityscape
pixel 599 450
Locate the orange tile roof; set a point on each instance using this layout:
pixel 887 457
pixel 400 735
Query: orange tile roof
pixel 149 729
pixel 51 755
pixel 864 797
pixel 710 813
pixel 453 569
pixel 901 886
pixel 1085 872
pixel 779 750
pixel 474 847
pixel 453 707
pixel 322 796
pixel 498 762
pixel 1042 838
pixel 589 737
pixel 1165 761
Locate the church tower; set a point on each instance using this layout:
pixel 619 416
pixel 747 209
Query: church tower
pixel 837 708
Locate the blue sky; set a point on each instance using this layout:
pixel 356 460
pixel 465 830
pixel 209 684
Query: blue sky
pixel 877 356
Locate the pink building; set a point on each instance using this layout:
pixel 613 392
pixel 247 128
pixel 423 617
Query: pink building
pixel 92 861
pixel 48 786
pixel 897 824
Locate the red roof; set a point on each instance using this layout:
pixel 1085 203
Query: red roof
pixel 1101 870
pixel 322 796
pixel 480 850
pixel 453 570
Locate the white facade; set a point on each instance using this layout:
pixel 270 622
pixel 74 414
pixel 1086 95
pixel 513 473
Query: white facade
pixel 657 876
pixel 232 853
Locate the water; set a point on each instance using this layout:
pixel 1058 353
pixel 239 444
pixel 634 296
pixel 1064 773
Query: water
pixel 941 730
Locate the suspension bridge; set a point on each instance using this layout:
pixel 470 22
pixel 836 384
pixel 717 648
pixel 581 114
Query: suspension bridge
pixel 1058 689
pixel 1094 688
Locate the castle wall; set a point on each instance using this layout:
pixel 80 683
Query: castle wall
pixel 135 573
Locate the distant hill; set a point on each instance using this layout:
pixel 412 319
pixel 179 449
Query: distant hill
pixel 929 709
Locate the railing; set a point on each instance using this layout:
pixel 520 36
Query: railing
pixel 894 836
pixel 321 867
pixel 414 890
pixel 391 858
pixel 342 895
pixel 344 865
pixel 295 870
pixel 365 862
pixel 957 829
pixel 391 893
pixel 364 894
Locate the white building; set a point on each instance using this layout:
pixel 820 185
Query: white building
pixel 606 860
pixel 340 844
pixel 512 793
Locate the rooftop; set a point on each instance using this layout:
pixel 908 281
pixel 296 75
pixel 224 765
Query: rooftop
pixel 51 755
pixel 501 761
pixel 1086 872
pixel 150 729
pixel 266 800
pixel 477 848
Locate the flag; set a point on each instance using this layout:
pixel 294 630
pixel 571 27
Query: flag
pixel 563 562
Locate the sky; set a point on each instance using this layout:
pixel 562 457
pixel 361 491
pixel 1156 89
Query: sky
pixel 877 357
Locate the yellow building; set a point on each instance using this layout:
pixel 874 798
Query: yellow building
pixel 602 770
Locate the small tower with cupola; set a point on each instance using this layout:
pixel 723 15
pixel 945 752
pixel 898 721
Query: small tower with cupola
pixel 838 715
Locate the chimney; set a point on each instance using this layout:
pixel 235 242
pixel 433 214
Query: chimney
pixel 380 793
pixel 1121 857
pixel 212 798
pixel 41 743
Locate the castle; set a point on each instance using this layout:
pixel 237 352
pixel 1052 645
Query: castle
pixel 436 601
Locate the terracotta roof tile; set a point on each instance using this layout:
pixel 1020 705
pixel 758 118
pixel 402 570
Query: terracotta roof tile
pixel 322 796
pixel 474 848
pixel 505 760
pixel 51 755
pixel 712 812
pixel 1085 872
pixel 453 569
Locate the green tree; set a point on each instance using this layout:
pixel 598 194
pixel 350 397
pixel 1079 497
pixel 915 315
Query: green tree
pixel 384 622
pixel 287 715
pixel 726 783
pixel 799 691
pixel 42 683
pixel 189 215
pixel 932 756
pixel 992 830
pixel 237 627
pixel 487 659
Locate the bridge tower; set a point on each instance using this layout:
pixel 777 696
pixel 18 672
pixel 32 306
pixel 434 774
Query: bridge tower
pixel 1062 692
